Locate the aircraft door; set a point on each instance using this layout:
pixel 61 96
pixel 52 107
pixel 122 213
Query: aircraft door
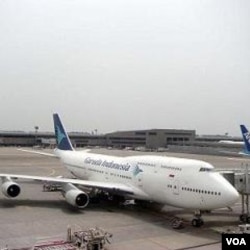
pixel 176 187
pixel 139 180
pixel 138 175
pixel 202 200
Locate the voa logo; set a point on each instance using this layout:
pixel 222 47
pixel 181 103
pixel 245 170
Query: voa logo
pixel 236 241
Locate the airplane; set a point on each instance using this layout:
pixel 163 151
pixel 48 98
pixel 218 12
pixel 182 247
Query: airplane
pixel 184 183
pixel 231 142
pixel 246 143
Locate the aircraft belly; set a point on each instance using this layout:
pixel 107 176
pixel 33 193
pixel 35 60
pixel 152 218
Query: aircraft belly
pixel 185 201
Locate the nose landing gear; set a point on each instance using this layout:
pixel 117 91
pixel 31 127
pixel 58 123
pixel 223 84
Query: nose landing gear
pixel 197 221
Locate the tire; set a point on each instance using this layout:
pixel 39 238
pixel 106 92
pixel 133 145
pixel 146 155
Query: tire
pixel 248 219
pixel 197 222
pixel 243 218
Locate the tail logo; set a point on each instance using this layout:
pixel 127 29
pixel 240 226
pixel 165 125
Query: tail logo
pixel 247 136
pixel 59 135
pixel 137 170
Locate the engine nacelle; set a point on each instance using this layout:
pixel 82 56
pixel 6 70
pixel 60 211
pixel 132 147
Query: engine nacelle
pixel 11 189
pixel 75 196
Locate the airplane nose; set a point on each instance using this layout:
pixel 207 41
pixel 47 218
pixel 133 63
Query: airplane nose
pixel 228 195
pixel 232 195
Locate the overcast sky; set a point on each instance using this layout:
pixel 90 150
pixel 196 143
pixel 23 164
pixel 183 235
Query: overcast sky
pixel 125 64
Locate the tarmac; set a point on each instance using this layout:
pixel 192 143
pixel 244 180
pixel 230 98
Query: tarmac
pixel 36 215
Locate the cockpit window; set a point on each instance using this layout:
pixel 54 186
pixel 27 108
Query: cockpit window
pixel 206 169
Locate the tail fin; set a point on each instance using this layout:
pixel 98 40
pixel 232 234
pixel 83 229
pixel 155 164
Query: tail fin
pixel 246 138
pixel 62 138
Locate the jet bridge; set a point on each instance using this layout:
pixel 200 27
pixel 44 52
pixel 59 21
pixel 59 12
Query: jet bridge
pixel 240 179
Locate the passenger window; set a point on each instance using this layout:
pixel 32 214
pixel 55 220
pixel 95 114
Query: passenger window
pixel 205 169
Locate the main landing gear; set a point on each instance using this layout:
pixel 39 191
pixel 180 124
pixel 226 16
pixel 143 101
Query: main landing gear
pixel 197 221
pixel 245 218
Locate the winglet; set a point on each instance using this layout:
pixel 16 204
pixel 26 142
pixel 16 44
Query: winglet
pixel 246 138
pixel 62 138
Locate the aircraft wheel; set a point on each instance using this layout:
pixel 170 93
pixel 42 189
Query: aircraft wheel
pixel 197 222
pixel 194 222
pixel 243 218
pixel 201 222
pixel 248 219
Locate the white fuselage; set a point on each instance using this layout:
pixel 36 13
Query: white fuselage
pixel 178 182
pixel 231 142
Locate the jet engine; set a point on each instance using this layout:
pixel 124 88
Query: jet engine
pixel 75 196
pixel 10 188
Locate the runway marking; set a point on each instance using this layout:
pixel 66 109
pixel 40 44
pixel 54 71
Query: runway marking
pixel 9 154
pixel 24 207
pixel 237 159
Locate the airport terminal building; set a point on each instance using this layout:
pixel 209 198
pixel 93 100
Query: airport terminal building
pixel 176 140
pixel 150 139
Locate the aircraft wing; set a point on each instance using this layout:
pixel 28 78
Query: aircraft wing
pixel 38 152
pixel 115 187
pixel 46 153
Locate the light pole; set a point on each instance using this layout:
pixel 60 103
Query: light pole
pixel 36 131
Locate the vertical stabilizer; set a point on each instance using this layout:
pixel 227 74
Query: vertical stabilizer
pixel 62 138
pixel 246 138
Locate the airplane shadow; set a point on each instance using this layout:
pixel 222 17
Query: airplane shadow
pixel 154 215
pixel 6 203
